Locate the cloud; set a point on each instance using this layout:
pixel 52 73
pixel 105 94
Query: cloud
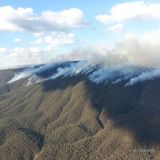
pixel 140 50
pixel 132 49
pixel 25 19
pixel 3 51
pixel 17 40
pixel 55 40
pixel 41 51
pixel 22 56
pixel 9 14
pixel 137 10
pixel 116 28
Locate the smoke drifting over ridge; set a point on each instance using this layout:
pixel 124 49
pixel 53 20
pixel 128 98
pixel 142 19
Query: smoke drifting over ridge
pixel 132 59
pixel 142 50
pixel 96 73
pixel 139 50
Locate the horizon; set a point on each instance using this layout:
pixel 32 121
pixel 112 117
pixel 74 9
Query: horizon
pixel 72 30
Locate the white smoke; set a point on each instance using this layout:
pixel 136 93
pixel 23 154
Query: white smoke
pixel 30 72
pixel 141 50
pixel 147 75
pixel 75 68
pixel 19 76
pixel 96 73
pixel 114 75
pixel 133 59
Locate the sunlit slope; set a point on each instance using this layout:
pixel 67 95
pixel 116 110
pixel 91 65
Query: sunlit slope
pixel 71 118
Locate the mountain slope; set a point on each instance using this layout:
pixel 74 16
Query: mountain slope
pixel 70 118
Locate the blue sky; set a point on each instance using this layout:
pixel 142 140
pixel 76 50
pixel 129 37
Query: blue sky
pixel 95 23
pixel 91 8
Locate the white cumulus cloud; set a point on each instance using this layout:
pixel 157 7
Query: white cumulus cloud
pixel 56 40
pixel 26 19
pixel 137 10
pixel 35 54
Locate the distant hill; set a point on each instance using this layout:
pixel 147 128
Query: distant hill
pixel 52 113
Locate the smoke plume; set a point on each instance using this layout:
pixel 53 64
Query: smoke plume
pixel 132 59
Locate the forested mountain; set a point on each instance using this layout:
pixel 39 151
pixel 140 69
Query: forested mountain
pixel 45 115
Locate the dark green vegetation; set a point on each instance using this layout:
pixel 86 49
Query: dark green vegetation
pixel 72 119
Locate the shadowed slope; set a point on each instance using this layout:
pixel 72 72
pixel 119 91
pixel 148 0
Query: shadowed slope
pixel 72 118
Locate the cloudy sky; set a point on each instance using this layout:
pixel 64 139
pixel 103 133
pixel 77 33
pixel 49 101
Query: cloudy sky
pixel 34 31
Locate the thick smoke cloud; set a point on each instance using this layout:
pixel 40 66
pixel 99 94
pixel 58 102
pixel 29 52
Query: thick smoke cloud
pixel 26 19
pixel 142 50
pixel 132 59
